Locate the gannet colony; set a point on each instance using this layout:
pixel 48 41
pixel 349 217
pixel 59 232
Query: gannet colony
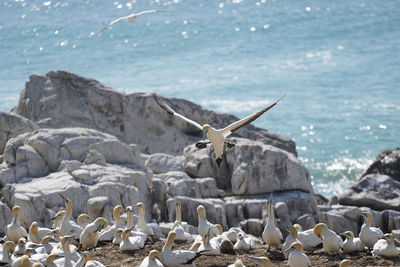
pixel 83 166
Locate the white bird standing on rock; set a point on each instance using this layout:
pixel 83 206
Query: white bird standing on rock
pixel 90 235
pixel 271 234
pixel 204 225
pixel 296 256
pixel 307 237
pixel 352 244
pixel 330 240
pixel 14 231
pixel 385 247
pixel 177 258
pixel 153 260
pixel 131 18
pixel 369 235
pixel 215 136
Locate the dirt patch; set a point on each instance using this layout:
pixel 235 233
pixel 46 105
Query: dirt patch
pixel 111 255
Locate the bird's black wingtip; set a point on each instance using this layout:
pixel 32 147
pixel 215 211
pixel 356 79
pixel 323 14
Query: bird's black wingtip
pixel 219 161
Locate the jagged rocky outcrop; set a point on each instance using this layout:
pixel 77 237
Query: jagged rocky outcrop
pixel 100 148
pixel 12 125
pixel 62 99
pixel 387 163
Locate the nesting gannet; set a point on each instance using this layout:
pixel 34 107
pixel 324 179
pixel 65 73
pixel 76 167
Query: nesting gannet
pixel 130 243
pixel 232 234
pixel 66 261
pixel 118 237
pixel 369 235
pixel 243 243
pixel 141 224
pixel 307 237
pixel 90 235
pixel 177 258
pixel 8 249
pixel 20 247
pixel 385 247
pixel 58 249
pixel 66 228
pixel 36 233
pixel 56 219
pixel 14 231
pixel 296 256
pixel 291 238
pixel 21 262
pixel 131 18
pixel 206 247
pixel 215 136
pixel 217 240
pixel 48 243
pixel 237 263
pixel 351 244
pixel 196 244
pixel 181 235
pixel 84 261
pixel 271 234
pixel 204 225
pixel 153 260
pixel 330 240
pixel 109 233
pixel 348 263
pixel 83 220
pixel 264 261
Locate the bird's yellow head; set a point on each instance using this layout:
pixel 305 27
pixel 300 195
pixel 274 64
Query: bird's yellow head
pixel 101 223
pixel 83 218
pixel 201 211
pixel 297 245
pixel 118 232
pixel 9 246
pixel 154 254
pixel 170 239
pixel 263 260
pixel 117 211
pixel 34 228
pixel 367 217
pixel 319 228
pixel 142 208
pixel 388 237
pixel 219 227
pixel 24 261
pixel 298 227
pixel 21 242
pixel 16 210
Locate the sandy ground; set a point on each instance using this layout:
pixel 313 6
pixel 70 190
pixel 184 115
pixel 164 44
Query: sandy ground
pixel 112 256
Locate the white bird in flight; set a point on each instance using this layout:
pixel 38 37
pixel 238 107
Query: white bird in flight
pixel 131 18
pixel 215 136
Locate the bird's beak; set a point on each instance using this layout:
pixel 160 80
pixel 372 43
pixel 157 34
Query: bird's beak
pixel 66 200
pixel 288 250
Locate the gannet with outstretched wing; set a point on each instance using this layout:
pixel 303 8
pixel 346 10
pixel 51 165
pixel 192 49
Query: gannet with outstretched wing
pixel 215 136
pixel 131 18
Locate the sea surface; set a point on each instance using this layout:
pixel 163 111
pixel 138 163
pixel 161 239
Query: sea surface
pixel 338 61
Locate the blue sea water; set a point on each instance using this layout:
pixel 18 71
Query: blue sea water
pixel 339 62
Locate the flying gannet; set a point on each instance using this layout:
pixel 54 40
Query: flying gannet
pixel 385 247
pixel 131 18
pixel 369 235
pixel 330 240
pixel 215 136
pixel 271 234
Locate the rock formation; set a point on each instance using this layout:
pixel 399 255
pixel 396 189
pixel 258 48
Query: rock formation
pixel 101 148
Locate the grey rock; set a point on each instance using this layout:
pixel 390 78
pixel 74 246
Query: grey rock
pixel 387 163
pixel 5 216
pixel 12 125
pixel 307 221
pixel 246 176
pixel 333 201
pixel 252 226
pixel 61 99
pixel 161 163
pixel 376 191
pixel 392 218
pixel 98 207
pixel 282 212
